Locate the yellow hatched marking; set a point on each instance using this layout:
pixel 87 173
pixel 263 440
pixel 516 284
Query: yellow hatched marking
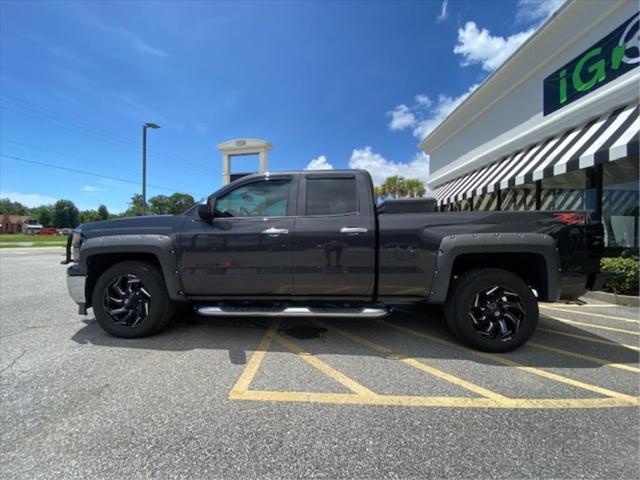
pixel 446 402
pixel 591 325
pixel 589 314
pixel 589 339
pixel 325 368
pixel 588 358
pixel 416 364
pixel 248 374
pixel 513 363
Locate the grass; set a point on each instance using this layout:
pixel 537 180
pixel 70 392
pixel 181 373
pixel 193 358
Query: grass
pixel 35 240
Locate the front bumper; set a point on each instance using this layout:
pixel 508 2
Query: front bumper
pixel 76 286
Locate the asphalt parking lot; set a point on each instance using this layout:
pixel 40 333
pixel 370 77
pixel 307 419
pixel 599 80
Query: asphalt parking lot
pixel 254 398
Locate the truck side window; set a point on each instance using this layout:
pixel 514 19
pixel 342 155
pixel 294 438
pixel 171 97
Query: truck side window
pixel 331 196
pixel 267 198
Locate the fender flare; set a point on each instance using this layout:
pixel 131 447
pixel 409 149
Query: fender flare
pixel 453 246
pixel 160 246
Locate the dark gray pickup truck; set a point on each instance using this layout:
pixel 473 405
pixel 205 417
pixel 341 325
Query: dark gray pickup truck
pixel 315 244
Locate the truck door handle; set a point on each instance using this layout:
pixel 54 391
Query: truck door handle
pixel 353 230
pixel 274 232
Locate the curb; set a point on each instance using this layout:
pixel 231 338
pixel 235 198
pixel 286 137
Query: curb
pixel 625 300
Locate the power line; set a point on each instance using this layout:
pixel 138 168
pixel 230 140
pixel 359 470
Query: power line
pixel 82 172
pixel 66 155
pixel 31 110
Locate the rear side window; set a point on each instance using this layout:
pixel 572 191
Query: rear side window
pixel 331 196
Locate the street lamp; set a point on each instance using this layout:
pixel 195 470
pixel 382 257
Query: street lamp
pixel 144 163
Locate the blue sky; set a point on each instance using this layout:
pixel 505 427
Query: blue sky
pixel 329 84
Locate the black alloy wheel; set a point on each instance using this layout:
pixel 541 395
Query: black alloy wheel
pixel 130 300
pixel 127 301
pixel 491 310
pixel 497 313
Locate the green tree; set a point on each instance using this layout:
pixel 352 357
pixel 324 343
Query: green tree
pixel 43 214
pixel 103 213
pixel 180 202
pixel 159 205
pixel 173 205
pixel 136 207
pixel 87 216
pixel 13 208
pixel 65 214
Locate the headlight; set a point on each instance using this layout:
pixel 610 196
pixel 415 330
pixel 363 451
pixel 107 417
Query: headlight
pixel 76 241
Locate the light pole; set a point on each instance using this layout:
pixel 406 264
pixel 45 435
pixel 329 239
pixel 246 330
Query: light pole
pixel 144 164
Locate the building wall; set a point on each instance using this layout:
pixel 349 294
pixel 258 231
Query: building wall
pixel 505 113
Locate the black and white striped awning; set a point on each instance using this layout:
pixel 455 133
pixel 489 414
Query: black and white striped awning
pixel 603 139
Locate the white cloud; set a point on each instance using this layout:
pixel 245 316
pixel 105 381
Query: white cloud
pixel 425 115
pixel 443 107
pixel 133 40
pixel 536 10
pixel 93 188
pixel 319 163
pixel 478 46
pixel 423 100
pixel 29 199
pixel 444 14
pixel 401 118
pixel 380 168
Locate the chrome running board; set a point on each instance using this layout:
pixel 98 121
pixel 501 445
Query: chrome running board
pixel 367 312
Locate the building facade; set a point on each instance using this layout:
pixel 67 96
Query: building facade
pixel 555 127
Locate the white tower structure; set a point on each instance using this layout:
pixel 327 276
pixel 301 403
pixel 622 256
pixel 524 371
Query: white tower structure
pixel 243 146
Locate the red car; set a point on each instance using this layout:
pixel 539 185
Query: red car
pixel 48 231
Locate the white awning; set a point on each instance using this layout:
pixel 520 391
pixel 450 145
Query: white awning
pixel 603 139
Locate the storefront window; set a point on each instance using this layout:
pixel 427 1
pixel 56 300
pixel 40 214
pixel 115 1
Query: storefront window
pixel 463 205
pixel 485 202
pixel 620 203
pixel 519 198
pixel 566 192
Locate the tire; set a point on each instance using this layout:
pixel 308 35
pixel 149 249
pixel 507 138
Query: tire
pixel 491 310
pixel 148 301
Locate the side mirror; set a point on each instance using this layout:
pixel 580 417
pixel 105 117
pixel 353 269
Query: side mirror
pixel 205 212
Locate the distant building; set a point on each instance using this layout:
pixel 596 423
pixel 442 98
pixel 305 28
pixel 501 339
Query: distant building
pixel 555 127
pixel 18 224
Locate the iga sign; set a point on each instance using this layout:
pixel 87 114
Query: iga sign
pixel 614 55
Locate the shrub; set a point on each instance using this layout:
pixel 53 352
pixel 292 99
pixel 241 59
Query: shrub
pixel 627 272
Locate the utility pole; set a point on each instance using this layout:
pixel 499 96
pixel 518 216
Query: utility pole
pixel 144 164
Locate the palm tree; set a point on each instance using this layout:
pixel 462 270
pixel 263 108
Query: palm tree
pixel 415 187
pixel 395 186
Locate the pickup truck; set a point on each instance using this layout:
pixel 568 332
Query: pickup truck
pixel 315 244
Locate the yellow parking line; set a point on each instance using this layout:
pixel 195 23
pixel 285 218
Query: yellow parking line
pixel 243 382
pixel 416 364
pixel 329 371
pixel 588 358
pixel 589 339
pixel 591 325
pixel 589 314
pixel 455 402
pixel 512 363
pixel 587 305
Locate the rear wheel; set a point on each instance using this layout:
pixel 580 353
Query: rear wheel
pixel 130 300
pixel 492 310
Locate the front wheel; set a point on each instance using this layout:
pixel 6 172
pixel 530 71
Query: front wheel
pixel 130 300
pixel 492 310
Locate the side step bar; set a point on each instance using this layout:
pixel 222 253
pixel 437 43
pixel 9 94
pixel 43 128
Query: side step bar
pixel 368 312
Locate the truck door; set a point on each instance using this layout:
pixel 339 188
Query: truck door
pixel 246 248
pixel 334 242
